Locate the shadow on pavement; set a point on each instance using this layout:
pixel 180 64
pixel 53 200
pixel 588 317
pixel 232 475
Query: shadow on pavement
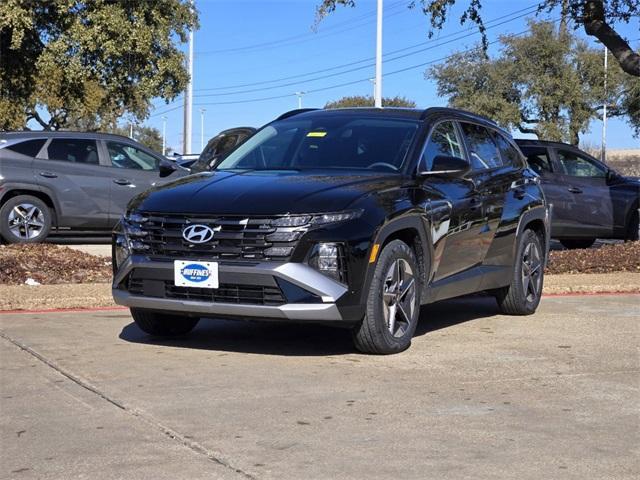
pixel 280 338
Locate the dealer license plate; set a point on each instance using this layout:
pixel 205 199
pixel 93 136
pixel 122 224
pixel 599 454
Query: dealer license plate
pixel 188 273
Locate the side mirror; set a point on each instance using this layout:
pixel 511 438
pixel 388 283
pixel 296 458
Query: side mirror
pixel 167 168
pixel 445 165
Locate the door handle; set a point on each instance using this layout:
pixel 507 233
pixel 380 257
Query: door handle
pixel 48 175
pixel 122 181
pixel 575 190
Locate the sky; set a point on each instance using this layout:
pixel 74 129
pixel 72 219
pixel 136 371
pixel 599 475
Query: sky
pixel 251 57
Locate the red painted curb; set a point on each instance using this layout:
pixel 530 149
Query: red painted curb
pixel 101 309
pixel 589 294
pixel 62 310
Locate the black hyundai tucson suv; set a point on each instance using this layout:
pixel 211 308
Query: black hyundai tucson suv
pixel 352 217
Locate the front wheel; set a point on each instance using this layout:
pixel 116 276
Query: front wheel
pixel 162 324
pixel 393 303
pixel 522 296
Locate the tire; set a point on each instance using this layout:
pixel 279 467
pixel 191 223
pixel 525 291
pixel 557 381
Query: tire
pixel 522 296
pixel 633 227
pixel 25 219
pixel 577 243
pixel 393 307
pixel 162 324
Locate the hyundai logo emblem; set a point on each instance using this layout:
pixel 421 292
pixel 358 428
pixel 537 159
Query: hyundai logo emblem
pixel 198 233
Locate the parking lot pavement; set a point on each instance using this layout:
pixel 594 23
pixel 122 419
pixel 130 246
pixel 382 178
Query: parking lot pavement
pixel 478 395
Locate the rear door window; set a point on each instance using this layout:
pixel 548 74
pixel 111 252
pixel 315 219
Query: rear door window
pixel 576 165
pixel 510 156
pixel 74 151
pixel 29 148
pixel 483 150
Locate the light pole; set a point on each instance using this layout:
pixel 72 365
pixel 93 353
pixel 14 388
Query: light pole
pixel 603 152
pixel 299 95
pixel 378 84
pixel 188 97
pixel 202 110
pixel 164 135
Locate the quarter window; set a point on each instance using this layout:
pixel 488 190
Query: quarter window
pixel 482 148
pixel 128 156
pixel 443 141
pixel 73 150
pixel 576 165
pixel 30 148
pixel 538 159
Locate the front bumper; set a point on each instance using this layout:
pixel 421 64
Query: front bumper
pixel 325 290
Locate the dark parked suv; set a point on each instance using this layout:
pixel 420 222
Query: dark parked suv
pixel 69 181
pixel 352 217
pixel 590 199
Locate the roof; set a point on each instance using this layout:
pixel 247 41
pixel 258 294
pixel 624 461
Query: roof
pixel 396 112
pixel 27 134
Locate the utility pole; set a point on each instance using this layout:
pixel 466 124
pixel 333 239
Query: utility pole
pixel 164 135
pixel 603 153
pixel 188 97
pixel 299 95
pixel 202 110
pixel 378 84
pixel 131 130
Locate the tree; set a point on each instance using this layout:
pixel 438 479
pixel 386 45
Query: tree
pixel 367 101
pixel 150 137
pixel 83 64
pixel 548 83
pixel 597 17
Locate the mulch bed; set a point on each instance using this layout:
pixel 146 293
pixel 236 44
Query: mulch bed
pixel 52 264
pixel 623 257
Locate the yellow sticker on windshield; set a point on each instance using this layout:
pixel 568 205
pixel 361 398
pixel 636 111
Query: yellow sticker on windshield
pixel 317 134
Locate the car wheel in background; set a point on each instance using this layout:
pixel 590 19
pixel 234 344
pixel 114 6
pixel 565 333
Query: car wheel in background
pixel 162 324
pixel 633 227
pixel 522 296
pixel 393 303
pixel 25 219
pixel 577 243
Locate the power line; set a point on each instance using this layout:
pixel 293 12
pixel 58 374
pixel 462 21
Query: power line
pixel 293 38
pixel 528 10
pixel 353 82
pixel 355 69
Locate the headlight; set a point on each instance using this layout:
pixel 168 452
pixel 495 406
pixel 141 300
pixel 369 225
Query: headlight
pixel 321 219
pixel 119 250
pixel 328 259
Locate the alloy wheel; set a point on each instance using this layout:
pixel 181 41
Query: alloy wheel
pixel 399 297
pixel 26 221
pixel 531 271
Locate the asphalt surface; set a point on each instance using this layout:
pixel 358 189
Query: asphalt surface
pixel 479 396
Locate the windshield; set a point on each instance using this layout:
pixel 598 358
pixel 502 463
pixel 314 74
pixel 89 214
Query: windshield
pixel 327 142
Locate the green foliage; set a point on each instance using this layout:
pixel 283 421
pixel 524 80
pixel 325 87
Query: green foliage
pixel 150 137
pixel 85 63
pixel 597 17
pixel 368 101
pixel 548 83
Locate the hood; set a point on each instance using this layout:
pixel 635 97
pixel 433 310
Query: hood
pixel 254 192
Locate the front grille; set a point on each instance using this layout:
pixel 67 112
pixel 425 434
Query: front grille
pixel 226 293
pixel 235 238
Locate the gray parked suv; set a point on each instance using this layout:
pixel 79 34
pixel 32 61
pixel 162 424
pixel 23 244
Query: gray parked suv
pixel 70 182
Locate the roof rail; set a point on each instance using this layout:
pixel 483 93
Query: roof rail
pixel 291 113
pixel 459 111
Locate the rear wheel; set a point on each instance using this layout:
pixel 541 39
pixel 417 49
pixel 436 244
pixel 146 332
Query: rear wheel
pixel 162 324
pixel 25 219
pixel 522 296
pixel 577 243
pixel 393 303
